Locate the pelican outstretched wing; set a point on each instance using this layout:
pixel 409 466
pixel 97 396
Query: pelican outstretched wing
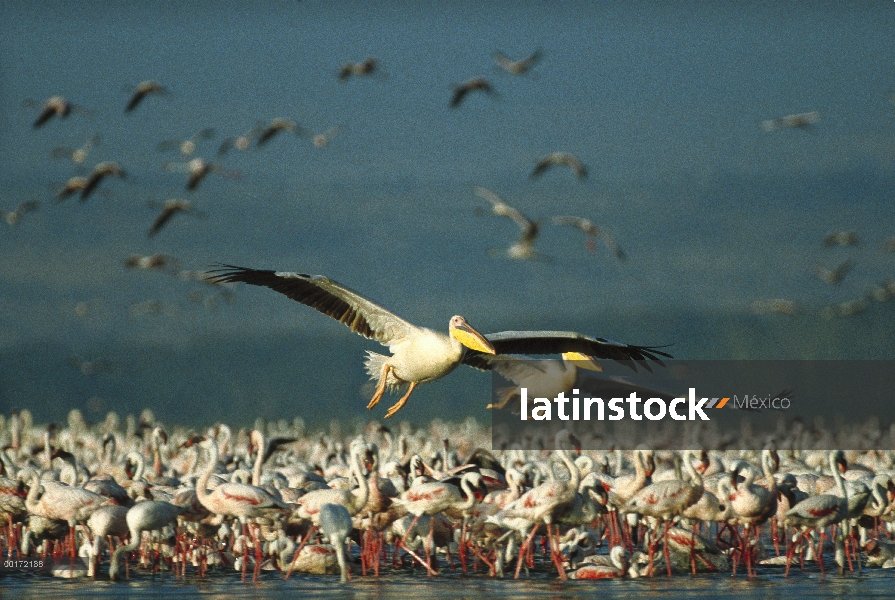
pixel 557 342
pixel 502 209
pixel 324 295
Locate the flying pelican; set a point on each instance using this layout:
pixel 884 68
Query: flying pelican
pixel 240 142
pixel 100 172
pixel 516 67
pixel 12 217
pixel 524 248
pixel 187 146
pixel 76 155
pixel 154 262
pixel 276 126
pixel 144 89
pixel 543 378
pixel 198 168
pixel 560 158
pixel 800 120
pixel 841 238
pixel 53 107
pixel 420 355
pixel 169 209
pixel 320 140
pixel 834 276
pixel 72 186
pixel 476 83
pixel 359 69
pixel 593 232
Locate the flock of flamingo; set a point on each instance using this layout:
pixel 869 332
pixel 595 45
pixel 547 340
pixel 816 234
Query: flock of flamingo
pixel 277 498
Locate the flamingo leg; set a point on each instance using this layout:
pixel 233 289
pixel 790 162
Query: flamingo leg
pixel 555 553
pixel 297 550
pixel 257 572
pixel 665 546
pixel 525 548
pixel 791 551
pixel 416 557
pixel 430 545
pixel 400 403
pixel 380 389
pixel 693 548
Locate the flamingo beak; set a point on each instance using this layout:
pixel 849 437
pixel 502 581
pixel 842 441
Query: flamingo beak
pixel 469 337
pixel 582 361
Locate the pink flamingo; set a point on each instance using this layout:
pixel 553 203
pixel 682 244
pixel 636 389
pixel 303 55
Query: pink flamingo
pixel 610 567
pixel 143 516
pixel 433 498
pixel 664 500
pixel 62 502
pixel 310 504
pixel 819 511
pixel 752 504
pixel 230 499
pixel 541 504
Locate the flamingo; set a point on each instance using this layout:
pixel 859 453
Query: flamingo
pixel 616 566
pixel 310 504
pixel 541 504
pixel 230 499
pixel 624 486
pixel 198 169
pixel 276 126
pixel 666 499
pixel 105 521
pixel 12 507
pixel 237 500
pixel 752 504
pixel 819 511
pixel 62 502
pixel 12 217
pixel 71 187
pixel 144 516
pixel 335 524
pixel 800 120
pixel 433 498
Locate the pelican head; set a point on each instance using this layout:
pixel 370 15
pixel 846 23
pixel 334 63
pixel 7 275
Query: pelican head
pixel 464 333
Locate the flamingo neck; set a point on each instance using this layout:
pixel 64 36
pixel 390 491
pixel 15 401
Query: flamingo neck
pixel 573 470
pixel 359 501
pixel 470 495
pixel 259 458
pixel 695 477
pixel 140 463
pixel 202 492
pixel 156 455
pixel 840 484
pixel 31 500
pixel 639 468
pixel 768 473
